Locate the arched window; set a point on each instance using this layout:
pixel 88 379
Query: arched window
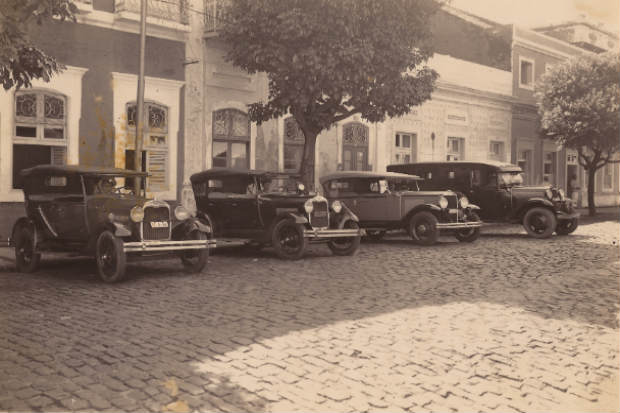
pixel 155 144
pixel 293 145
pixel 40 135
pixel 355 146
pixel 231 139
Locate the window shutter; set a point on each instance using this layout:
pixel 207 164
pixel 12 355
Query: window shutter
pixel 59 155
pixel 156 165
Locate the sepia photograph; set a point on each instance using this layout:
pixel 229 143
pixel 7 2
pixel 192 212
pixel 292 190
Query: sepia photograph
pixel 309 206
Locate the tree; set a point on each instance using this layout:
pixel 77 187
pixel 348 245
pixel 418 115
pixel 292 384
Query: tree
pixel 20 60
pixel 579 102
pixel 329 59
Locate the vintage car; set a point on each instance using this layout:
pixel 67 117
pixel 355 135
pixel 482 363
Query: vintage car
pixel 94 211
pixel 266 208
pixel 497 188
pixel 389 201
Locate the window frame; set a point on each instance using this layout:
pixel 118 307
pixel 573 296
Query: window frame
pixel 399 149
pixel 530 85
pixel 230 138
pixel 501 155
pixel 296 143
pixel 461 145
pixel 611 168
pixel 148 149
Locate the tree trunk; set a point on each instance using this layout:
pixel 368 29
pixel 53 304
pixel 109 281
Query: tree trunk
pixel 591 183
pixel 307 161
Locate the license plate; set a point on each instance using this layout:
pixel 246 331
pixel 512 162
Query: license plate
pixel 159 224
pixel 320 214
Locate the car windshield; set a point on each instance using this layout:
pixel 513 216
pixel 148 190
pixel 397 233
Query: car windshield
pixel 404 185
pixel 510 178
pixel 110 185
pixel 281 184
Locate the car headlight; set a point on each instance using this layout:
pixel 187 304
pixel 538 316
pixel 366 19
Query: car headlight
pixel 136 214
pixel 301 187
pixel 464 202
pixel 549 193
pixel 561 192
pixel 181 213
pixel 308 206
pixel 336 207
pixel 111 217
pixel 443 202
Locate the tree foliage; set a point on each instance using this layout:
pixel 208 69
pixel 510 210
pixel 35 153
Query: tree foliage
pixel 20 60
pixel 329 59
pixel 579 105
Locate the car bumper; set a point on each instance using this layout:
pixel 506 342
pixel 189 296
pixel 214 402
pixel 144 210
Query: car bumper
pixel 459 225
pixel 333 233
pixel 139 246
pixel 565 215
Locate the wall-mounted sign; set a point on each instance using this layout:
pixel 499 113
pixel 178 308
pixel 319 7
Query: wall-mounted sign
pixel 456 117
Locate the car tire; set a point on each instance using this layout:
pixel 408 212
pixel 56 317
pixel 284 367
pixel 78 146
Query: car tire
pixel 111 258
pixel 566 226
pixel 423 228
pixel 287 239
pixel 346 245
pixel 469 234
pixel 194 261
pixel 539 222
pixel 375 235
pixel 26 259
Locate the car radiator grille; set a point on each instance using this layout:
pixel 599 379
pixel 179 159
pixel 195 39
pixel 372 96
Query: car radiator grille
pixel 155 214
pixel 453 201
pixel 319 218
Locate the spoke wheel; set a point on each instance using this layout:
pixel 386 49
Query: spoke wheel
pixel 539 222
pixel 423 228
pixel 469 234
pixel 567 226
pixel 111 258
pixel 346 245
pixel 26 259
pixel 288 240
pixel 195 260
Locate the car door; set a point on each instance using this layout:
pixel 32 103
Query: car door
pixel 485 192
pixel 372 205
pixel 66 211
pixel 239 207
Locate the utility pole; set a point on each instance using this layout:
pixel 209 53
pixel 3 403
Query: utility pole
pixel 140 99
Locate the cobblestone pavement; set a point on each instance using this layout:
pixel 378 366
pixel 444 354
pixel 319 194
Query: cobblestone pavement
pixel 504 324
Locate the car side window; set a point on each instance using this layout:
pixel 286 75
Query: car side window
pixel 340 187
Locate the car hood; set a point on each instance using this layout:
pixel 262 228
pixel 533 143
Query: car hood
pixel 530 190
pixel 428 193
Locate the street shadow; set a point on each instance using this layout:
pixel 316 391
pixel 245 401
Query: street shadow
pixel 162 323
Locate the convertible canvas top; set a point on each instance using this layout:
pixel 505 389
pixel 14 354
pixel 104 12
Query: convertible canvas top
pixel 219 172
pixel 78 169
pixel 502 166
pixel 367 174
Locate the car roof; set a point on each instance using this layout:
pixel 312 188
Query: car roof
pixel 219 172
pixel 502 166
pixel 78 169
pixel 368 174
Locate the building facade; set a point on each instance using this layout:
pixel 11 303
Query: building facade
pixel 543 161
pixel 86 114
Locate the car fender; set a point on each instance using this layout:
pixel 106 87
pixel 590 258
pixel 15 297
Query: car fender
pixel 299 219
pixel 189 225
pixel 23 221
pixel 121 230
pixel 535 202
pixel 473 207
pixel 344 215
pixel 424 207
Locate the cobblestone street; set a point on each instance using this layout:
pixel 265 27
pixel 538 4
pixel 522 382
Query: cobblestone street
pixel 507 323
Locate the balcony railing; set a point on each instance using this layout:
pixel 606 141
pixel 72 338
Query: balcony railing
pixel 170 10
pixel 213 15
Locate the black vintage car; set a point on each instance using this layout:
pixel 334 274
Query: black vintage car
pixel 392 201
pixel 266 208
pixel 94 211
pixel 497 188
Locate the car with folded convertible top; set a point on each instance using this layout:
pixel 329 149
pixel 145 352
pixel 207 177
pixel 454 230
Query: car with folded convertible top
pixel 94 211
